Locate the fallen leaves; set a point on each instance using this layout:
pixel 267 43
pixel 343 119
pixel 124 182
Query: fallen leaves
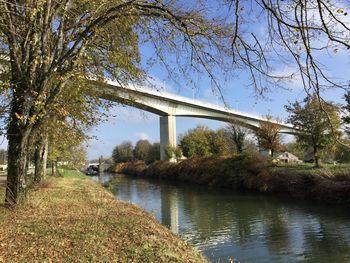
pixel 78 220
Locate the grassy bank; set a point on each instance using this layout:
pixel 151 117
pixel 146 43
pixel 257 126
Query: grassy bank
pixel 73 219
pixel 328 184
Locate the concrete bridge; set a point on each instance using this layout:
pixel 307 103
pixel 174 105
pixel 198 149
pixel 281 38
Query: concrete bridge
pixel 169 106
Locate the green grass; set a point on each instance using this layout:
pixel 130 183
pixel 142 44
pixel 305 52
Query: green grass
pixel 71 173
pixel 309 167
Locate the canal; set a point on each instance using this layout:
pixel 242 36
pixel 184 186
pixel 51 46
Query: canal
pixel 226 225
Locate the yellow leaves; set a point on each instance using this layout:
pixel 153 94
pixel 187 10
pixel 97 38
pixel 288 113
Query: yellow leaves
pixel 36 117
pixel 19 117
pixel 38 103
pixel 341 11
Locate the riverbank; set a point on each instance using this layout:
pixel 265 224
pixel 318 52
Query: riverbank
pixel 73 219
pixel 330 184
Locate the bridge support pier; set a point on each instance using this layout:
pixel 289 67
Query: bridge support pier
pixel 167 135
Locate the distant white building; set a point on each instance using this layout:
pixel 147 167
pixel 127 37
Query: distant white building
pixel 3 168
pixel 62 163
pixel 286 157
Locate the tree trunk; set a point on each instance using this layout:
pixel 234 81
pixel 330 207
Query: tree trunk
pixel 317 161
pixel 39 162
pixel 54 168
pixel 18 132
pixel 17 159
pixel 239 146
pixel 46 149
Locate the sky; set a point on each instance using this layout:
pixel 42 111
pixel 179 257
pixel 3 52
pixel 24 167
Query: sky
pixel 132 124
pixel 127 123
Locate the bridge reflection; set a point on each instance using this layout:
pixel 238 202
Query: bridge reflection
pixel 170 209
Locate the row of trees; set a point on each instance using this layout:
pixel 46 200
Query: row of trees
pixel 318 124
pixel 74 155
pixel 202 141
pixel 143 150
pixel 233 139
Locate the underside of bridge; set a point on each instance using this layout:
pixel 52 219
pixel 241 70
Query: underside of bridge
pixel 169 106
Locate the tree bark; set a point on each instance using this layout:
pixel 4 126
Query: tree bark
pixel 17 135
pixel 17 159
pixel 39 160
pixel 317 161
pixel 46 149
pixel 18 132
pixel 54 168
pixel 239 148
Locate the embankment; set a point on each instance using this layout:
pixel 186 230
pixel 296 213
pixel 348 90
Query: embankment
pixel 76 220
pixel 255 173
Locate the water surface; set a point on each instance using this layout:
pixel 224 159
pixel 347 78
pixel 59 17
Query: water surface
pixel 225 225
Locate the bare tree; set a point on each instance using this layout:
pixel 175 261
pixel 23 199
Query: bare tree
pixel 292 33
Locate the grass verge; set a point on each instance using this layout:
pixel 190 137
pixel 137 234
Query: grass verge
pixel 69 219
pixel 69 173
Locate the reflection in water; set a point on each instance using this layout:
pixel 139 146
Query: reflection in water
pixel 223 224
pixel 169 209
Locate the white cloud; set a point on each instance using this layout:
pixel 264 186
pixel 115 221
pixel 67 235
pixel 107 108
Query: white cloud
pixel 156 83
pixel 143 136
pixel 291 77
pixel 210 96
pixel 122 113
pixel 151 82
